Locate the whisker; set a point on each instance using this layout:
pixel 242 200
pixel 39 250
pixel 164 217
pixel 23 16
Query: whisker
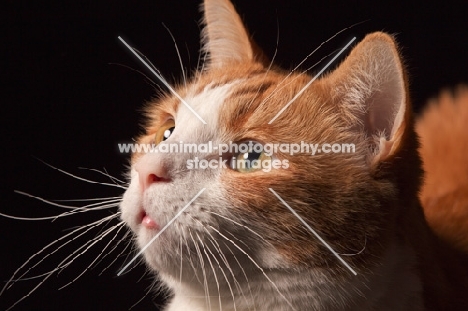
pixel 238 240
pixel 147 60
pixel 118 256
pixel 269 66
pixel 101 256
pixel 189 253
pixel 256 265
pixel 241 225
pixel 323 43
pixel 89 227
pixel 100 237
pixel 103 206
pixel 83 209
pixel 220 268
pixel 305 59
pixel 184 76
pixel 31 277
pixel 148 80
pixel 59 267
pixel 162 80
pixel 28 218
pixel 281 84
pixel 181 259
pixel 223 258
pixel 277 44
pixel 52 203
pixel 86 246
pixel 80 178
pixel 226 263
pixel 141 299
pixel 243 272
pixel 205 281
pixel 105 173
pixel 205 56
pixel 188 52
pixel 359 252
pixel 87 200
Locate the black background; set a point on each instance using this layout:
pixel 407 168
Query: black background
pixel 68 98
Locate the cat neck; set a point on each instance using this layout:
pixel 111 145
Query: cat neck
pixel 392 284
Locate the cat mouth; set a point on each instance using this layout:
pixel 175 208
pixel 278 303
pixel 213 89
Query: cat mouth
pixel 147 222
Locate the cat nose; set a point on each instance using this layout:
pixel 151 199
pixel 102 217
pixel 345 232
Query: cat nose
pixel 150 171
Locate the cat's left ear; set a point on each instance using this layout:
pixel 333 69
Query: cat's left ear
pixel 225 38
pixel 371 89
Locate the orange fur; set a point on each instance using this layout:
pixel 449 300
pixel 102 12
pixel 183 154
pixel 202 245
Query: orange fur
pixel 338 197
pixel 364 201
pixel 443 131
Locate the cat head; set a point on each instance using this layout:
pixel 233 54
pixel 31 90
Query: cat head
pixel 351 198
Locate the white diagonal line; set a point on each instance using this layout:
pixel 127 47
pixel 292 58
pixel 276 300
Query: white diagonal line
pixel 315 233
pixel 162 80
pixel 160 232
pixel 311 81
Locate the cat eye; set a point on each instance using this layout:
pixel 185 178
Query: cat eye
pixel 251 160
pixel 165 131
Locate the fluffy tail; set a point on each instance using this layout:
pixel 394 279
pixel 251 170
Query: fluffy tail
pixel 443 131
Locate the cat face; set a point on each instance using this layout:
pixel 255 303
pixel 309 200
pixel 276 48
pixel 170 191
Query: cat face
pixel 237 108
pixel 235 219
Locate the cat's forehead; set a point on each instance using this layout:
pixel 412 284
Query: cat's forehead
pixel 234 103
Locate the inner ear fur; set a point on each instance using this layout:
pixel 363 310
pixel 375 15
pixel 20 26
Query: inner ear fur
pixel 371 88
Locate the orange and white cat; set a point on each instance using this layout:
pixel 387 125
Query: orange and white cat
pixel 236 246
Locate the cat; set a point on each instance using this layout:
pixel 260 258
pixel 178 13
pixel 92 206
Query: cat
pixel 444 139
pixel 227 238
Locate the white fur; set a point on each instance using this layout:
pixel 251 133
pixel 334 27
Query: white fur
pixel 390 286
pixel 208 269
pixel 206 104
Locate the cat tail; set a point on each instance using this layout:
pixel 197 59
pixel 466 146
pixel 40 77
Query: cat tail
pixel 443 132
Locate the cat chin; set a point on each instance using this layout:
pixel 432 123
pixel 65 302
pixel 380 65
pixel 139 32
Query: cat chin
pixel 161 255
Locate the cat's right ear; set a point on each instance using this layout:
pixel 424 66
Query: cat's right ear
pixel 225 38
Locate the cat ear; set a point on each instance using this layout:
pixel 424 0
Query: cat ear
pixel 370 86
pixel 224 37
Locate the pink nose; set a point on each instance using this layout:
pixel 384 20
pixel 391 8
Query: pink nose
pixel 150 171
